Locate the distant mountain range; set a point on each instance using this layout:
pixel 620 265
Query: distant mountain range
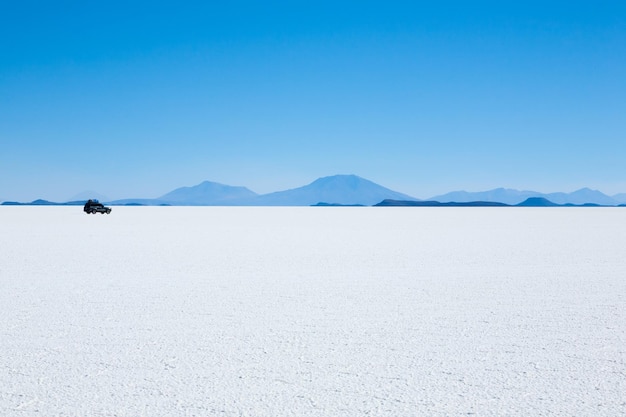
pixel 340 190
pixel 337 189
pixel 529 202
pixel 513 197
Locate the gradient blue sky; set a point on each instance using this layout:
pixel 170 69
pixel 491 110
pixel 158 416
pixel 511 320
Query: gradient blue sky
pixel 134 99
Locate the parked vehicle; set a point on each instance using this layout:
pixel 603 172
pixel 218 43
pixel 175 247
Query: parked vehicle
pixel 94 206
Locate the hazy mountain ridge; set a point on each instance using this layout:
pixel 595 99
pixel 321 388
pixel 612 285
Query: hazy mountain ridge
pixel 529 202
pixel 337 189
pixel 341 190
pixel 40 202
pixel 208 193
pixel 431 203
pixel 513 197
pixel 620 197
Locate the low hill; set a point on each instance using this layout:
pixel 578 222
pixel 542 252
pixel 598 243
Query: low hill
pixel 41 202
pixel 529 202
pixel 537 202
pixel 431 203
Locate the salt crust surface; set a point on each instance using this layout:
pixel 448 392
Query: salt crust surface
pixel 239 311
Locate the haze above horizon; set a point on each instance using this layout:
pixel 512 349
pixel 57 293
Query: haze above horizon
pixel 139 99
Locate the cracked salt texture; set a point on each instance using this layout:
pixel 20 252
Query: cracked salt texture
pixel 200 311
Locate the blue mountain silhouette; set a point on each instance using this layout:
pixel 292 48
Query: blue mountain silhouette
pixel 207 193
pixel 336 189
pixel 351 190
pixel 512 196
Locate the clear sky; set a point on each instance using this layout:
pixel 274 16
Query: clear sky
pixel 136 98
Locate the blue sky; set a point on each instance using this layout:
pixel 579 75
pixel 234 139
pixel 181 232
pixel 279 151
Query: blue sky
pixel 424 97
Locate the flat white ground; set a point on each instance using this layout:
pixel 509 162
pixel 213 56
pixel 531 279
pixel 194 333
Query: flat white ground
pixel 164 311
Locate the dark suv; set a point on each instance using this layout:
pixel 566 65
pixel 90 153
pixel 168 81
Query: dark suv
pixel 93 207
